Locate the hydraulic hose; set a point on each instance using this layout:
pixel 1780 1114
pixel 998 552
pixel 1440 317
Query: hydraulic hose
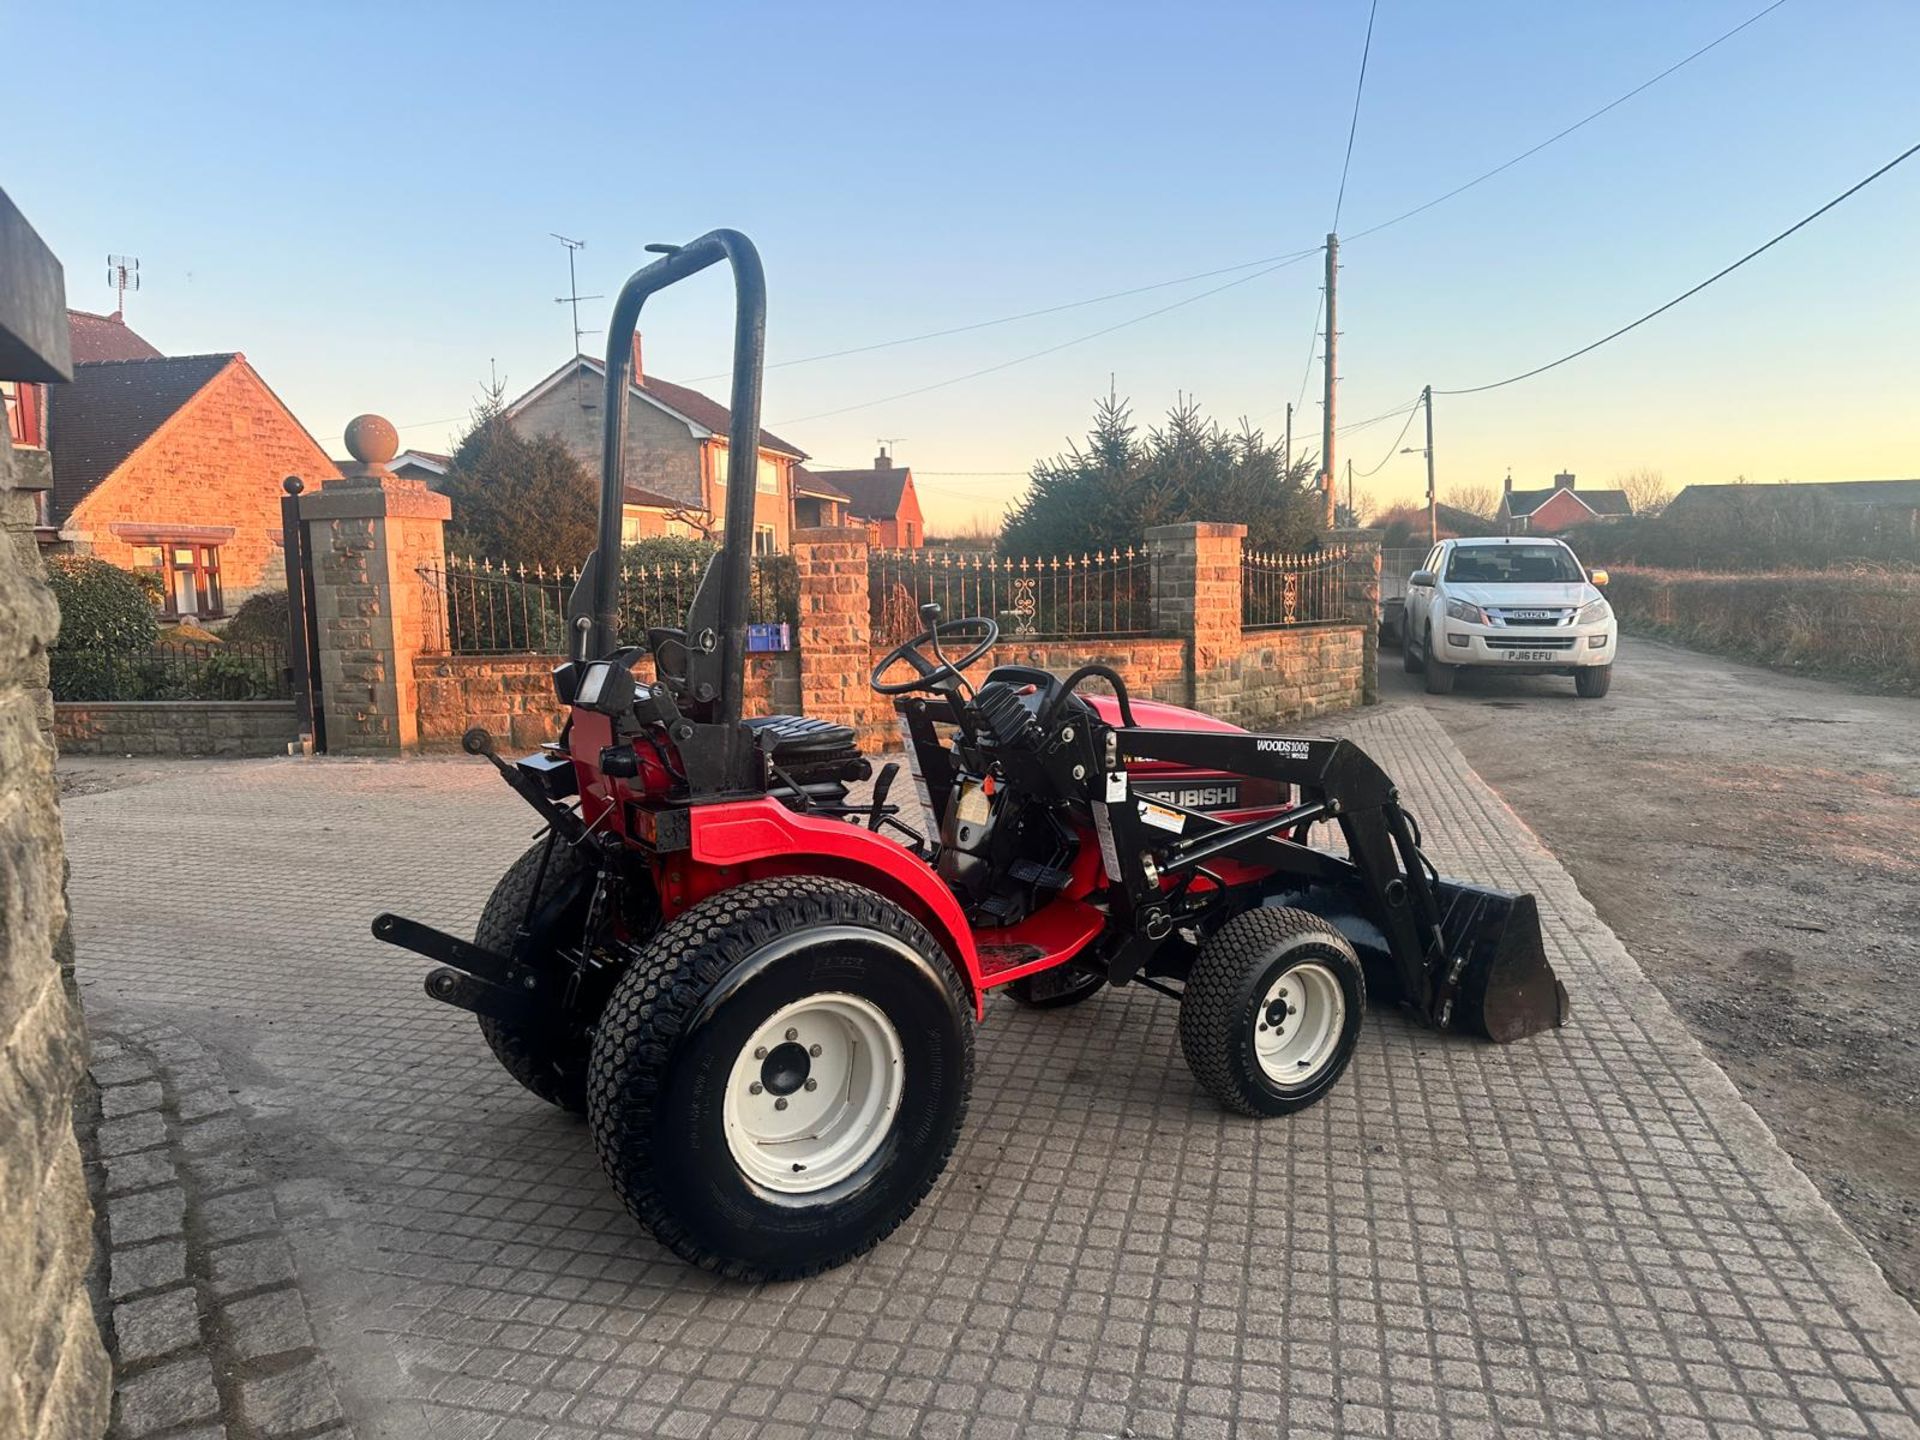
pixel 1088 672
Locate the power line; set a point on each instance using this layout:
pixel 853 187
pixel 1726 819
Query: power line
pixel 1049 350
pixel 1359 88
pixel 1395 450
pixel 1578 124
pixel 1024 314
pixel 1689 294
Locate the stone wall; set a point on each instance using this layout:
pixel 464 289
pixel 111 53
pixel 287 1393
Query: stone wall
pixel 175 727
pixel 512 695
pixel 54 1378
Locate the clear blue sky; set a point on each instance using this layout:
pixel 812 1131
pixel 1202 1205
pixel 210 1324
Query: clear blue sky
pixel 359 197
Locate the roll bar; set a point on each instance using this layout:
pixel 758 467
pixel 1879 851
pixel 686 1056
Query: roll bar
pixel 594 610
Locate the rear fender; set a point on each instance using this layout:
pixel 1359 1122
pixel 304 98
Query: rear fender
pixel 754 839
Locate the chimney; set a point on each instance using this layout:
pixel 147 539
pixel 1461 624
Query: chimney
pixel 1509 482
pixel 1563 481
pixel 883 461
pixel 638 374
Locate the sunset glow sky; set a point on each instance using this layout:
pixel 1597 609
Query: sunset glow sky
pixel 359 197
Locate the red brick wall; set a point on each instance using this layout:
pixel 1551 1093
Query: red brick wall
pixel 219 462
pixel 512 695
pixel 1560 511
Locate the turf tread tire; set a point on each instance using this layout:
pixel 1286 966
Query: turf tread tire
pixel 1213 1006
pixel 658 996
pixel 556 1079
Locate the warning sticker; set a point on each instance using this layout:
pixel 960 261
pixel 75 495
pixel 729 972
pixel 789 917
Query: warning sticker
pixel 1162 816
pixel 1109 852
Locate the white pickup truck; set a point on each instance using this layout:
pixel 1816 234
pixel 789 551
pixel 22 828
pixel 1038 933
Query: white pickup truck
pixel 1519 603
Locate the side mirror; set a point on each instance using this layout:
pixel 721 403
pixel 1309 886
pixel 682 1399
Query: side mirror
pixel 1422 577
pixel 1598 577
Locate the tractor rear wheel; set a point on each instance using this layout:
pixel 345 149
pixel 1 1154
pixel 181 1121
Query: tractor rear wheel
pixel 1272 1011
pixel 549 1067
pixel 780 1077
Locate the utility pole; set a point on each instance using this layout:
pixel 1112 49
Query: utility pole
pixel 1433 504
pixel 1289 440
pixel 1353 517
pixel 1331 362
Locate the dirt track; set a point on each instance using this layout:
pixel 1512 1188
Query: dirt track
pixel 1755 840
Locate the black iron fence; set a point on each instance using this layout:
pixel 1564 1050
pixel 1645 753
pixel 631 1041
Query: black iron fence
pixel 199 670
pixel 1107 594
pixel 486 607
pixel 1280 588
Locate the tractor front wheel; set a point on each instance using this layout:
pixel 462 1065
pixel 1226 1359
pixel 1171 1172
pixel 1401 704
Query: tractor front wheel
pixel 780 1077
pixel 1272 1011
pixel 542 1061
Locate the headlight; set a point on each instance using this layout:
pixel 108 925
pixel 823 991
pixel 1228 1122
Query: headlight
pixel 1472 614
pixel 1593 612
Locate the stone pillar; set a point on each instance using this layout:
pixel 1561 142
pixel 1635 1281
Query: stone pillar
pixel 836 630
pixel 54 1381
pixel 1362 591
pixel 1196 594
pixel 378 548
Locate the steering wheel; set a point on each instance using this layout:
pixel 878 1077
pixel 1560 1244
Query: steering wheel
pixel 932 674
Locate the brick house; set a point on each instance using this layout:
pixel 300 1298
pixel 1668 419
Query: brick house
pixel 1548 512
pixel 173 464
pixel 91 337
pixel 884 500
pixel 818 501
pixel 676 461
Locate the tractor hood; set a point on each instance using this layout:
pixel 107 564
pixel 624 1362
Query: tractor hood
pixel 1155 715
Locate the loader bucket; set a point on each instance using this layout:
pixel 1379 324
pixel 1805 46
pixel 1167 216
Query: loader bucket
pixel 1508 990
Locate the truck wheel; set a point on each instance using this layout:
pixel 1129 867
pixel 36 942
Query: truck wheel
pixel 553 1070
pixel 1409 657
pixel 1590 682
pixel 1272 1011
pixel 1439 674
pixel 780 1077
pixel 1057 988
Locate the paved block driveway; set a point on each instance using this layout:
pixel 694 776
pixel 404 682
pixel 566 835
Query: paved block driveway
pixel 1588 1233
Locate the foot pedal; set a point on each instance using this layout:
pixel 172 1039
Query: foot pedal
pixel 1047 877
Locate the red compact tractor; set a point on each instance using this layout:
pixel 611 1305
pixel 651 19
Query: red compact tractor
pixel 762 991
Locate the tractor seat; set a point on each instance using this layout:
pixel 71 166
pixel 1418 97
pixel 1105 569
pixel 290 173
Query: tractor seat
pixel 796 739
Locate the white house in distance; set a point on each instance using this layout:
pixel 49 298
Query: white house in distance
pixel 676 459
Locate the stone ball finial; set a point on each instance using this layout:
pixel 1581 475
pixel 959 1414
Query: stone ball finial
pixel 372 440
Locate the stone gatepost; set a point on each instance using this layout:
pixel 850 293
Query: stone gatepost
pixel 1362 602
pixel 57 1383
pixel 836 628
pixel 1196 594
pixel 378 552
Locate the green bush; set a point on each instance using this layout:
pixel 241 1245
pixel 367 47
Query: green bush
pixel 261 620
pixel 102 607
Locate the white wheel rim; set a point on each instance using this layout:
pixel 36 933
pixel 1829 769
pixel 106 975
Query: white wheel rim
pixel 1298 1024
pixel 813 1094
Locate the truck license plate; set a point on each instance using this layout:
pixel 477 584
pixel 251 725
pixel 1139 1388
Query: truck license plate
pixel 1536 657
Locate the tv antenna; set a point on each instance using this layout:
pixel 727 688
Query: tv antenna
pixel 573 297
pixel 123 274
pixel 886 444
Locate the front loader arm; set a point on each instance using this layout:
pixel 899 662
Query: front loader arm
pixel 1438 936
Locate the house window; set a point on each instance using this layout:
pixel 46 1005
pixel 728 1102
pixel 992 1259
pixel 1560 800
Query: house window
pixel 763 540
pixel 767 478
pixel 189 577
pixel 23 412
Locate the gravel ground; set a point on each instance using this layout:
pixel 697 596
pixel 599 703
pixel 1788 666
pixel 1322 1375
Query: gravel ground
pixel 1754 838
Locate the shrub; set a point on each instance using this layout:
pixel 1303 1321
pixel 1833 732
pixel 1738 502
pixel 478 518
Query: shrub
pixel 261 620
pixel 102 607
